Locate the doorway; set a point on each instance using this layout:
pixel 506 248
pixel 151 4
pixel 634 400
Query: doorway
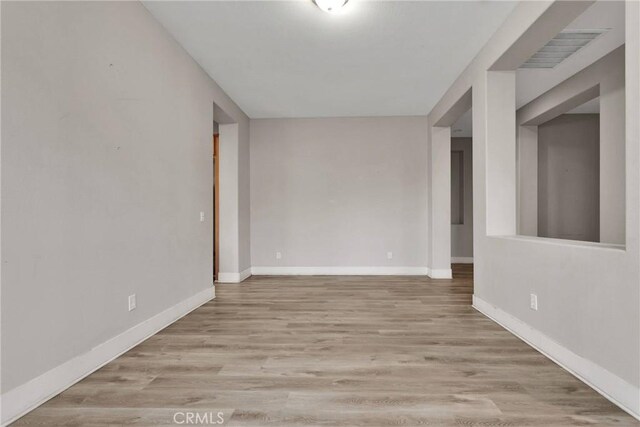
pixel 216 203
pixel 452 213
pixel 462 190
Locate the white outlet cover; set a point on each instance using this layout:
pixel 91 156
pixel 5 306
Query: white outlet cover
pixel 132 302
pixel 201 216
pixel 534 302
pixel 278 255
pixel 389 255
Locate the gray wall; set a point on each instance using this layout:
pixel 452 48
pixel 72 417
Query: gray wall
pixel 569 178
pixel 462 234
pixel 338 192
pixel 106 164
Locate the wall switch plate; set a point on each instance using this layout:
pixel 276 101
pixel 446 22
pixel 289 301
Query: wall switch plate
pixel 534 302
pixel 389 255
pixel 132 302
pixel 278 255
pixel 201 216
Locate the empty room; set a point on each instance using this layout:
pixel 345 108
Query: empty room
pixel 320 213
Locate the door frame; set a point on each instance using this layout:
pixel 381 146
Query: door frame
pixel 216 205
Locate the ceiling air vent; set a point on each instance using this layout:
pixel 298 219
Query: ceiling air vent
pixel 562 46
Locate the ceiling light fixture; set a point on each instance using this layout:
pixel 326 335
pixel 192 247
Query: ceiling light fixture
pixel 330 6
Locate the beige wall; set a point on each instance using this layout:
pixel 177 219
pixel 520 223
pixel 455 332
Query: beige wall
pixel 106 165
pixel 569 178
pixel 338 192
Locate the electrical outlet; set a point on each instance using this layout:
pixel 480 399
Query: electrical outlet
pixel 201 216
pixel 278 255
pixel 389 255
pixel 534 302
pixel 132 302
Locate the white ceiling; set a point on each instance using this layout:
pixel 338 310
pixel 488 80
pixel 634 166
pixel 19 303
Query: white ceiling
pixel 289 59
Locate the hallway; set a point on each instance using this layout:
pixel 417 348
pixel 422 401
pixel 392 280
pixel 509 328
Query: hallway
pixel 344 351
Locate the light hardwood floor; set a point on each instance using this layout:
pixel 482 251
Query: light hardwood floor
pixel 344 351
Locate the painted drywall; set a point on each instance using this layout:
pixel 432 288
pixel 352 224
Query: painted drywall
pixel 527 180
pixel 569 177
pixel 338 192
pixel 106 165
pixel 587 293
pixel 439 194
pixel 462 234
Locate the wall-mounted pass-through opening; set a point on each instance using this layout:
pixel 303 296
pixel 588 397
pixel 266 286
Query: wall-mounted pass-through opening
pixel 570 123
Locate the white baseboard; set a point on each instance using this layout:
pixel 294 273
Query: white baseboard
pixel 245 274
pixel 462 260
pixel 442 273
pixel 340 271
pixel 609 385
pixel 234 277
pixel 26 397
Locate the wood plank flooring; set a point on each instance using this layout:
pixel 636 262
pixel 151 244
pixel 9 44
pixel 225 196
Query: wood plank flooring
pixel 334 351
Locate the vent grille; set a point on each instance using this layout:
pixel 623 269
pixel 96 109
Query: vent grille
pixel 562 46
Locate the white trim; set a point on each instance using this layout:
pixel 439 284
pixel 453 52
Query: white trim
pixel 234 277
pixel 17 402
pixel 462 260
pixel 609 385
pixel 340 271
pixel 245 274
pixel 563 242
pixel 441 273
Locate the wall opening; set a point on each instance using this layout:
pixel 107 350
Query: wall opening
pixel 570 124
pixel 568 177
